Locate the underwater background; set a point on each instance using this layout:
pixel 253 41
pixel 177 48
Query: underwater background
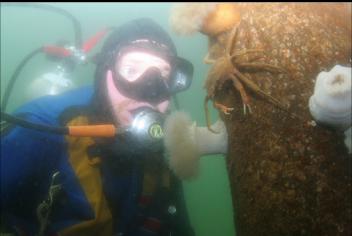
pixel 24 29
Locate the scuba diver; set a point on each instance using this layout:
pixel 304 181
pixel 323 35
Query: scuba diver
pixel 54 184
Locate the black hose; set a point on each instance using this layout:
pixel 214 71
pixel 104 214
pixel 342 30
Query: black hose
pixel 76 25
pixel 30 125
pixel 15 75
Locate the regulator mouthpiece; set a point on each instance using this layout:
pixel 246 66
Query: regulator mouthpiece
pixel 147 127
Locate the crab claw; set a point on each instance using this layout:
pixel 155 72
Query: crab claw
pixel 226 110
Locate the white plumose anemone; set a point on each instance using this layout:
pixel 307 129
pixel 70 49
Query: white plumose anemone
pixel 331 101
pixel 188 18
pixel 186 143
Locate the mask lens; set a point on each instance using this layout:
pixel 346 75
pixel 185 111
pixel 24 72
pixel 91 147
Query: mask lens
pixel 134 62
pixel 181 78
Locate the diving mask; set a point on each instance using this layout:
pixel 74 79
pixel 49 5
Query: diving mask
pixel 151 76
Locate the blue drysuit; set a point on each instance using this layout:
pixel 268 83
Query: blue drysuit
pixel 93 200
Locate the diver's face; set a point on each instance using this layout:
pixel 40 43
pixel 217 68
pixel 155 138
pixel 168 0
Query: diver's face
pixel 131 66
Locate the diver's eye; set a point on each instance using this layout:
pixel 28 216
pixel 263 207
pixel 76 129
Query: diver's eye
pixel 129 72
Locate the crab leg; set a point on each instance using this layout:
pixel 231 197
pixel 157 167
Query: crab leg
pixel 231 40
pixel 223 108
pixel 261 66
pixel 246 51
pixel 207 115
pixel 208 60
pixel 257 57
pixel 245 98
pixel 257 90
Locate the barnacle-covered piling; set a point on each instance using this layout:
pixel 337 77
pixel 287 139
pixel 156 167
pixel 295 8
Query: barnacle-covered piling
pixel 288 174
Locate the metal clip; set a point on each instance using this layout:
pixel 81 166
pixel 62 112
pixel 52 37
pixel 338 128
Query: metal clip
pixel 44 208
